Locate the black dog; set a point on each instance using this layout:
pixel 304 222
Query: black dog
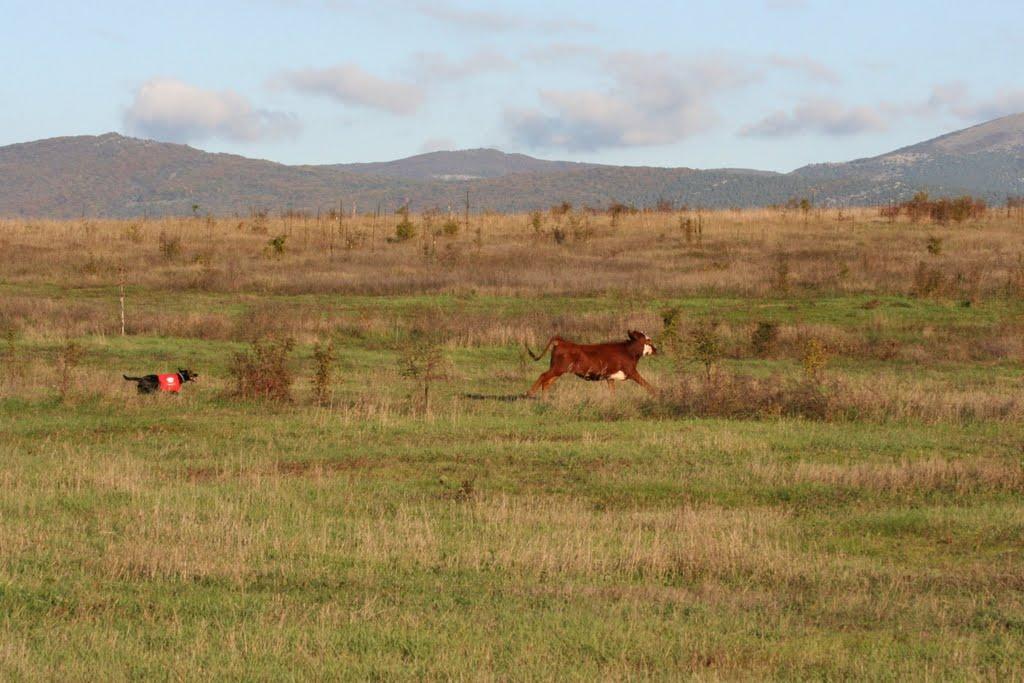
pixel 170 381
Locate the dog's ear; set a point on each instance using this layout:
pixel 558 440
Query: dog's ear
pixel 633 334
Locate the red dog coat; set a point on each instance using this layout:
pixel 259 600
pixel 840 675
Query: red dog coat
pixel 170 382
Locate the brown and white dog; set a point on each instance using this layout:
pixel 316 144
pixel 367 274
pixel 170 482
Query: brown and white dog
pixel 611 362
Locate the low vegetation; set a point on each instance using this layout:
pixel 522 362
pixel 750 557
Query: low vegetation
pixel 827 485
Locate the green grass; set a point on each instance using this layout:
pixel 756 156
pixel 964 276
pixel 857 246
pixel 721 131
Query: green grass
pixel 203 537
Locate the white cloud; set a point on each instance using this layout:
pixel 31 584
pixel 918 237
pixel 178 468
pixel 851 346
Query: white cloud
pixel 654 99
pixel 435 66
pixel 172 110
pixel 810 68
pixel 831 118
pixel 955 98
pixel 559 52
pixel 437 145
pixel 491 20
pixel 819 116
pixel 350 84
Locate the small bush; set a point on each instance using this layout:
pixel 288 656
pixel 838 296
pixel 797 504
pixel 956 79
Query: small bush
pixel 170 246
pixel 942 210
pixel 671 322
pixel 263 372
pixel 690 226
pixel 405 230
pixel 1015 278
pixel 763 338
pixel 133 234
pixel 276 245
pixel 68 358
pixel 934 245
pixel 815 359
pixel 423 361
pixel 9 332
pixel 617 209
pixel 742 397
pixel 878 345
pixel 561 209
pixel 260 223
pixel 537 222
pixel 323 356
pixel 450 227
pixel 705 346
pixel 780 274
pixel 928 280
pixel 580 226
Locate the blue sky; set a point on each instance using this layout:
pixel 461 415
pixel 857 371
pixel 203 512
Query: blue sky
pixel 769 84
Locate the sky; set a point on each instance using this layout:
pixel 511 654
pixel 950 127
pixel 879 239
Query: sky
pixel 767 84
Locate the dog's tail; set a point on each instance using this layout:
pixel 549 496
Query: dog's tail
pixel 538 356
pixel 132 379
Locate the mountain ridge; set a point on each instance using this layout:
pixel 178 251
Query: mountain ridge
pixel 115 175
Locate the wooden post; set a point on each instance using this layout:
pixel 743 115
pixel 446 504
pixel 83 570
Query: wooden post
pixel 373 228
pixel 121 279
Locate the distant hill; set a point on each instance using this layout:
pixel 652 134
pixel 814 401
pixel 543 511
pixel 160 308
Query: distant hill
pixel 986 160
pixel 113 175
pixel 468 164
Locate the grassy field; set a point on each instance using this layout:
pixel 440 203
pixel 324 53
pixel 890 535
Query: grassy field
pixel 828 484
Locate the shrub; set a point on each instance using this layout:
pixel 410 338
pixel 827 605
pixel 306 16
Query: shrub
pixel 918 207
pixel 780 274
pixel 276 244
pixel 263 372
pixel 561 209
pixel 537 222
pixel 580 226
pixel 423 361
pixel 9 358
pixel 259 224
pixel 405 230
pixel 9 333
pixel 1015 278
pixel 132 233
pixel 815 359
pixel 690 226
pixel 617 209
pixel 170 247
pixel 705 346
pixel 68 358
pixel 941 210
pixel 744 397
pixel 323 356
pixel 928 280
pixel 763 338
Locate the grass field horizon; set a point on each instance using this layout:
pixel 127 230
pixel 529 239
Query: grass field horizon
pixel 827 485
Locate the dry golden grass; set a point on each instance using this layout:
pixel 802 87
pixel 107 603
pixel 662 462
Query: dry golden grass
pixel 739 252
pixel 835 497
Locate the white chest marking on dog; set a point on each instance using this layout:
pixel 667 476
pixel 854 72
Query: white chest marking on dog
pixel 620 375
pixel 648 349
